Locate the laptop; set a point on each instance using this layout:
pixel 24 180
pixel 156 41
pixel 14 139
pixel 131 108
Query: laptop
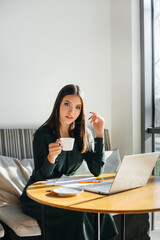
pixel 133 172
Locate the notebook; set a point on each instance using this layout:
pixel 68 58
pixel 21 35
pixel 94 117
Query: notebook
pixel 133 172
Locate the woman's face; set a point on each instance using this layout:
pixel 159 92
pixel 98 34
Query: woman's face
pixel 70 109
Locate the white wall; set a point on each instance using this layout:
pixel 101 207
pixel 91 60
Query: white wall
pixel 126 121
pixel 46 44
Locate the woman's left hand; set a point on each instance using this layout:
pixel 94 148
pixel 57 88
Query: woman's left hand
pixel 98 123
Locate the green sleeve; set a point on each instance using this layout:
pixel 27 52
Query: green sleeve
pixel 95 156
pixel 43 168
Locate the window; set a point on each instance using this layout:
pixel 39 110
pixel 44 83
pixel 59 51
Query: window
pixel 150 82
pixel 156 26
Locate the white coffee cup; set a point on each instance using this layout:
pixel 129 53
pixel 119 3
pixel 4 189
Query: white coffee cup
pixel 67 143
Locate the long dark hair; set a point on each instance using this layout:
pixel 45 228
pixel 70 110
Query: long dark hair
pixel 78 128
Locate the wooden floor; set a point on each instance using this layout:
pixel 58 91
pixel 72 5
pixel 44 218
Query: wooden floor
pixel 155 235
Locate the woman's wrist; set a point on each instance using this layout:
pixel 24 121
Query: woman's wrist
pixel 100 134
pixel 51 159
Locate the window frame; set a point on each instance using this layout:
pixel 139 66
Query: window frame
pixel 148 129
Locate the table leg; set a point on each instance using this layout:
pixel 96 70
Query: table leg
pixel 123 230
pixel 152 221
pixel 43 221
pixel 97 231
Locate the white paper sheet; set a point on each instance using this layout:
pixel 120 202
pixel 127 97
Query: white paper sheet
pixel 69 181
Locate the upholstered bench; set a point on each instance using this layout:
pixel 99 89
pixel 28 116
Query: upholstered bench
pixel 16 165
pixel 14 175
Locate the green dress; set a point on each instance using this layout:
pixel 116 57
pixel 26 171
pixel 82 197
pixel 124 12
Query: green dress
pixel 63 224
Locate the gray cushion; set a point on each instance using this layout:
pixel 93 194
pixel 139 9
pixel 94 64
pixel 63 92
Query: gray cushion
pixel 22 224
pixel 112 163
pixel 14 175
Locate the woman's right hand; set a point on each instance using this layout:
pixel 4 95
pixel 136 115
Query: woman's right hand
pixel 54 150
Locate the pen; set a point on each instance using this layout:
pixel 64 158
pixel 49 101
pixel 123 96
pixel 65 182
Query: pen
pixel 90 182
pixel 50 191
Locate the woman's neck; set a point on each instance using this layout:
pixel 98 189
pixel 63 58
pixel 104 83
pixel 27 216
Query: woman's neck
pixel 64 131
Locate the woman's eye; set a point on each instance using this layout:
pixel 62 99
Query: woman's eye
pixel 78 107
pixel 66 104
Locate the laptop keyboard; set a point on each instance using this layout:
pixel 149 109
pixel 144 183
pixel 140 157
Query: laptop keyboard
pixel 103 187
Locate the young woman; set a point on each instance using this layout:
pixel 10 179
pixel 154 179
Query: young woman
pixel 67 120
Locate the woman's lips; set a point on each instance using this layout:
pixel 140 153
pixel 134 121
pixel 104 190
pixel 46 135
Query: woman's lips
pixel 69 117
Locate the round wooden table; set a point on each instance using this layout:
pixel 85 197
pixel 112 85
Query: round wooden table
pixel 140 200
